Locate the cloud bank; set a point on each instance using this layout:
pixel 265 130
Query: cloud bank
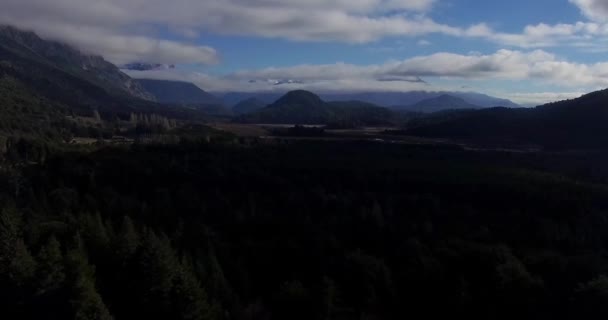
pixel 442 71
pixel 136 30
pixel 502 65
pixel 126 30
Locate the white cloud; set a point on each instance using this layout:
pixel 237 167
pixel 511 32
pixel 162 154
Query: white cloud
pixel 543 35
pixel 118 47
pixel 596 10
pixel 122 25
pixel 503 64
pixel 354 21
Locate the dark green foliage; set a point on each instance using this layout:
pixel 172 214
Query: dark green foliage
pixel 85 300
pixel 51 273
pixel 303 230
pixel 127 241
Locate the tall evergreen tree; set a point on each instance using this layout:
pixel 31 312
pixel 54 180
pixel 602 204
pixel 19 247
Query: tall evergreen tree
pixel 51 271
pixel 86 302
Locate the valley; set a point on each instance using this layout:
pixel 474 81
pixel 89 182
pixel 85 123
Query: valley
pixel 124 198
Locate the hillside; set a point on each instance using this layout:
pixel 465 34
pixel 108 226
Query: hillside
pixel 177 92
pixel 24 113
pixel 248 106
pixel 577 123
pixel 380 98
pixel 184 94
pixel 303 107
pixel 391 99
pixel 443 102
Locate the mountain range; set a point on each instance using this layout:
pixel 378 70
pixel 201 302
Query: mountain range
pixel 440 103
pixel 41 79
pixel 86 82
pixel 304 107
pixel 384 99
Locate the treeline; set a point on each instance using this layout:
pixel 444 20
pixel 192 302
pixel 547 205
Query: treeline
pixel 151 123
pixel 302 230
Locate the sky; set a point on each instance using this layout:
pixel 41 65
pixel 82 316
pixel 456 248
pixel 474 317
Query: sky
pixel 531 52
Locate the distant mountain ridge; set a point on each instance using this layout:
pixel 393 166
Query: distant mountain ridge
pixel 177 92
pixel 304 107
pixel 184 94
pixel 441 103
pixel 248 106
pixel 379 98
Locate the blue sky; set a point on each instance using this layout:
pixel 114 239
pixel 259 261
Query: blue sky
pixel 528 51
pixel 506 16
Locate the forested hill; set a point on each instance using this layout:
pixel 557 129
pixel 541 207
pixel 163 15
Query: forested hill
pixel 578 123
pixel 249 105
pixel 177 92
pixel 303 107
pixel 184 94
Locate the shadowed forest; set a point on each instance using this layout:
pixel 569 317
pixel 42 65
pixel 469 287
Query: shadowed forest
pixel 302 230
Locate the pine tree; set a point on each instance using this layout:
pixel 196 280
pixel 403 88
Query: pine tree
pixel 86 302
pixel 189 298
pixel 51 297
pixel 127 241
pixel 51 273
pixel 96 234
pixel 22 268
pixel 157 268
pixel 10 233
pixel 17 266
